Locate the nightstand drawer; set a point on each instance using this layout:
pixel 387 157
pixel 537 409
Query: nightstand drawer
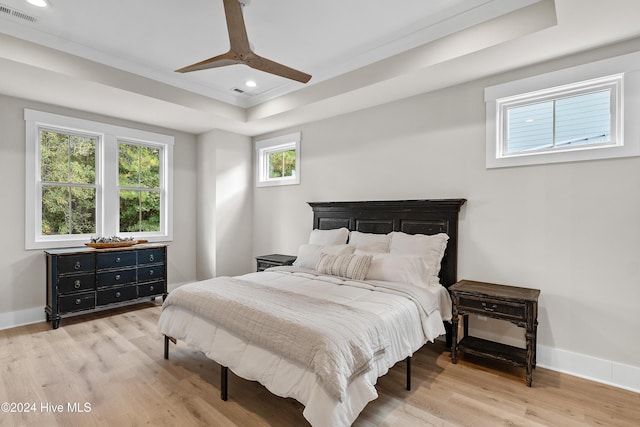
pixel 487 306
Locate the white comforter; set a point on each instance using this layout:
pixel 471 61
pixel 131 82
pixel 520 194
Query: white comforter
pixel 411 319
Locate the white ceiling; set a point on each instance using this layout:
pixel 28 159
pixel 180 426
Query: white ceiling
pixel 118 57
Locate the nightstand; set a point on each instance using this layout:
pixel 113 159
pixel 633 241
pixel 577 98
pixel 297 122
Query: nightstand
pixel 273 260
pixel 513 304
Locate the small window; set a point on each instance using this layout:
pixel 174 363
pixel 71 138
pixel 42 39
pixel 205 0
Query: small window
pixel 582 113
pixel 278 161
pixel 572 117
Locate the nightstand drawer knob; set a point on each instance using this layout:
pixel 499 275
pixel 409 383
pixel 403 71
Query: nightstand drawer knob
pixel 486 307
pixel 77 284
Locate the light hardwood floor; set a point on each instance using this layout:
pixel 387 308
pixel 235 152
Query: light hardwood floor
pixel 113 361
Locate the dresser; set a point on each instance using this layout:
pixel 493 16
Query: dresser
pixel 509 303
pixel 83 280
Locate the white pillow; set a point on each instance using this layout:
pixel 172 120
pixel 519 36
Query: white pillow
pixel 348 266
pixel 336 236
pixel 309 255
pixel 430 247
pixel 412 269
pixel 369 242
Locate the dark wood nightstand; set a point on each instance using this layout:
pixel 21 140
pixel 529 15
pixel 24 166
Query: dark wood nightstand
pixel 514 304
pixel 274 260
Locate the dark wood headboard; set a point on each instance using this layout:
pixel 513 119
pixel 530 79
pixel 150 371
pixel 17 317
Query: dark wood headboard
pixel 409 216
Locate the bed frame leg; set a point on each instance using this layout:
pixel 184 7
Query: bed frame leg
pixel 224 382
pixel 166 347
pixel 409 373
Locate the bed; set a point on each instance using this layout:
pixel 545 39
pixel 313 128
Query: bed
pixel 323 330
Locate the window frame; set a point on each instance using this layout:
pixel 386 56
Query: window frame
pixel 107 194
pixel 621 74
pixel 267 146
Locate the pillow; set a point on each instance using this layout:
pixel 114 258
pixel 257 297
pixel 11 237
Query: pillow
pixel 336 236
pixel 309 255
pixel 412 269
pixel 430 247
pixel 369 242
pixel 348 266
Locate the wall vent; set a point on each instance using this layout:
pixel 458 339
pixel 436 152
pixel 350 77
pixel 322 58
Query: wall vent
pixel 237 90
pixel 15 13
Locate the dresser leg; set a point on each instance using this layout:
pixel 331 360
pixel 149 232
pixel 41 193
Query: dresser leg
pixel 55 323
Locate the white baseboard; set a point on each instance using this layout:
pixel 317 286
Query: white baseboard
pixel 21 317
pixel 600 370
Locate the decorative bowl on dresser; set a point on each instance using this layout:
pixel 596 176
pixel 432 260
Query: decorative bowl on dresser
pixel 83 280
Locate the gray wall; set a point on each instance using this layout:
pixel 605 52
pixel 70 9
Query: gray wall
pixel 570 230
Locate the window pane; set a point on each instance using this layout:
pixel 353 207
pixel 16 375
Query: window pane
pixel 82 160
pixel 129 210
pixel 68 210
pixel 282 164
pixel 54 157
pixel 129 164
pixel 530 127
pixel 83 211
pixel 584 119
pixel 150 167
pixel 55 210
pixel 139 211
pixel 150 211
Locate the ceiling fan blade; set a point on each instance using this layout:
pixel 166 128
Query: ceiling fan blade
pixel 228 58
pixel 238 38
pixel 272 67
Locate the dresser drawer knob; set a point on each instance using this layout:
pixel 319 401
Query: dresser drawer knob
pixel 150 272
pixel 487 308
pixel 117 294
pixel 77 265
pixel 77 284
pixel 117 259
pixel 117 277
pixel 151 257
pixel 78 301
pixel 151 287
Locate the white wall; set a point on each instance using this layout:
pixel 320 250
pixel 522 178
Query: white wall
pixel 224 205
pixel 22 273
pixel 570 230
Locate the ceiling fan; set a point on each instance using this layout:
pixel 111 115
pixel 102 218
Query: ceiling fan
pixel 240 51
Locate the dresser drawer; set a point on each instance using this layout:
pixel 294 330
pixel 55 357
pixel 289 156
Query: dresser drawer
pixel 81 282
pixel 487 306
pixel 152 288
pixel 116 259
pixel 77 302
pixel 108 296
pixel 150 273
pixel 116 278
pixel 76 263
pixel 150 256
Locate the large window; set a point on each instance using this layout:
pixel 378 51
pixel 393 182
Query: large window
pixel 88 179
pixel 569 115
pixel 278 160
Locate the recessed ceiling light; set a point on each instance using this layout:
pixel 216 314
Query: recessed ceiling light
pixel 38 3
pixel 250 83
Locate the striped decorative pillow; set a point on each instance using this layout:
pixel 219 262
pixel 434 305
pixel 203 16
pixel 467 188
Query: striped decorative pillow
pixel 347 266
